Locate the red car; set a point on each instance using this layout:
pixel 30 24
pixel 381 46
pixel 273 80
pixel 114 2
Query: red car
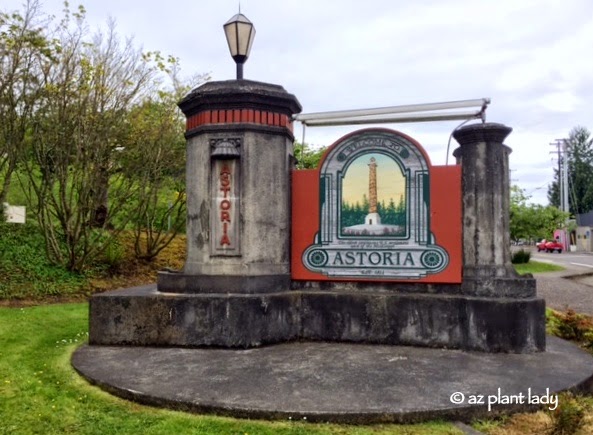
pixel 549 246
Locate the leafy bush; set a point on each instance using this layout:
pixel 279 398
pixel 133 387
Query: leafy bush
pixel 568 417
pixel 521 256
pixel 25 271
pixel 113 255
pixel 570 326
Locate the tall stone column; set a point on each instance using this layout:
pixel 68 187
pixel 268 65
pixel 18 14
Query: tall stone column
pixel 239 161
pixel 487 268
pixel 373 186
pixel 373 217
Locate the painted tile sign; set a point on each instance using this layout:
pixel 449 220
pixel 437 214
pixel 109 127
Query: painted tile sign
pixel 375 209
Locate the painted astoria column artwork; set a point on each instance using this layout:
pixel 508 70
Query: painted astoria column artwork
pixel 369 211
pixel 380 212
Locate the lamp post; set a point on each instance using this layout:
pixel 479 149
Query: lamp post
pixel 239 33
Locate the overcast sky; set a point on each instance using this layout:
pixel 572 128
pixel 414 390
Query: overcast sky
pixel 531 57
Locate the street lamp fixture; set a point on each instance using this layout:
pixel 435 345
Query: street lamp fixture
pixel 239 33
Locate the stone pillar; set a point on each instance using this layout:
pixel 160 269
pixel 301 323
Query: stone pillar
pixel 373 186
pixel 373 217
pixel 239 161
pixel 487 268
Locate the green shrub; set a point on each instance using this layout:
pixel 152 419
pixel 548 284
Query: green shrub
pixel 25 271
pixel 113 255
pixel 568 417
pixel 574 326
pixel 521 256
pixel 570 326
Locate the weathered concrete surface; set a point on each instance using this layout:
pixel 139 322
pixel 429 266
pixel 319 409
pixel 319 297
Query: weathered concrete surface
pixel 346 383
pixel 487 268
pixel 514 287
pixel 265 206
pixel 256 95
pixel 265 160
pixel 485 186
pixel 144 316
pixel 179 282
pixel 470 323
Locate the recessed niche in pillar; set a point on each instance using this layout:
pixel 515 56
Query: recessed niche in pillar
pixel 225 190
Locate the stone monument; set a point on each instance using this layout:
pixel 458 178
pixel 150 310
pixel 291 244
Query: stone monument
pixel 275 254
pixel 375 246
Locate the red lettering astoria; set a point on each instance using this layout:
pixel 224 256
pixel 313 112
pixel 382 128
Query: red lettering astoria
pixel 225 204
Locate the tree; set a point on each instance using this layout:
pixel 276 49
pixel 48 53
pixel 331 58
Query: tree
pixel 95 134
pixel 25 55
pixel 554 190
pixel 306 157
pixel 80 121
pixel 532 221
pixel 155 159
pixel 579 155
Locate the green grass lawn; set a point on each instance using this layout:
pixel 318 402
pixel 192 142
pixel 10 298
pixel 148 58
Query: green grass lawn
pixel 41 393
pixel 536 267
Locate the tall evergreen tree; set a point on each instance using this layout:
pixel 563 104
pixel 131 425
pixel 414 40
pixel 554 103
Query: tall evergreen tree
pixel 554 191
pixel 579 155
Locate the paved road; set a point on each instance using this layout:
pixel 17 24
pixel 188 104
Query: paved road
pixel 573 260
pixel 570 288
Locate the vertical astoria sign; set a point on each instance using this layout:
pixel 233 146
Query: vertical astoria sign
pixel 224 221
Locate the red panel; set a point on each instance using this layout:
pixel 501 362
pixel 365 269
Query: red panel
pixel 257 118
pixel 208 117
pixel 445 219
pixel 305 220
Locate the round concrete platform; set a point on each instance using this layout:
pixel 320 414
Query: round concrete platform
pixel 339 382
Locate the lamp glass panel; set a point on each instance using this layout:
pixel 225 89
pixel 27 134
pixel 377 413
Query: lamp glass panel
pixel 251 37
pixel 245 38
pixel 230 30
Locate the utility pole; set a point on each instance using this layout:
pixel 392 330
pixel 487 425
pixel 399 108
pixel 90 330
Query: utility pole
pixel 565 206
pixel 561 145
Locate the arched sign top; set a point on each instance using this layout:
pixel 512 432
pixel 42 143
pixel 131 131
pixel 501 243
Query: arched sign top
pixel 374 211
pixel 390 141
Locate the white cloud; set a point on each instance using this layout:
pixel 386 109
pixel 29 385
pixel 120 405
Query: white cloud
pixel 530 56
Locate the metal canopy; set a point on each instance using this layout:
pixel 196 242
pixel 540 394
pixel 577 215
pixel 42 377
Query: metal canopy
pixel 398 114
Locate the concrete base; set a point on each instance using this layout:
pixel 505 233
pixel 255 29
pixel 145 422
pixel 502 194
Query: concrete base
pixel 143 316
pixel 146 317
pixel 339 382
pixel 179 282
pixel 490 286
